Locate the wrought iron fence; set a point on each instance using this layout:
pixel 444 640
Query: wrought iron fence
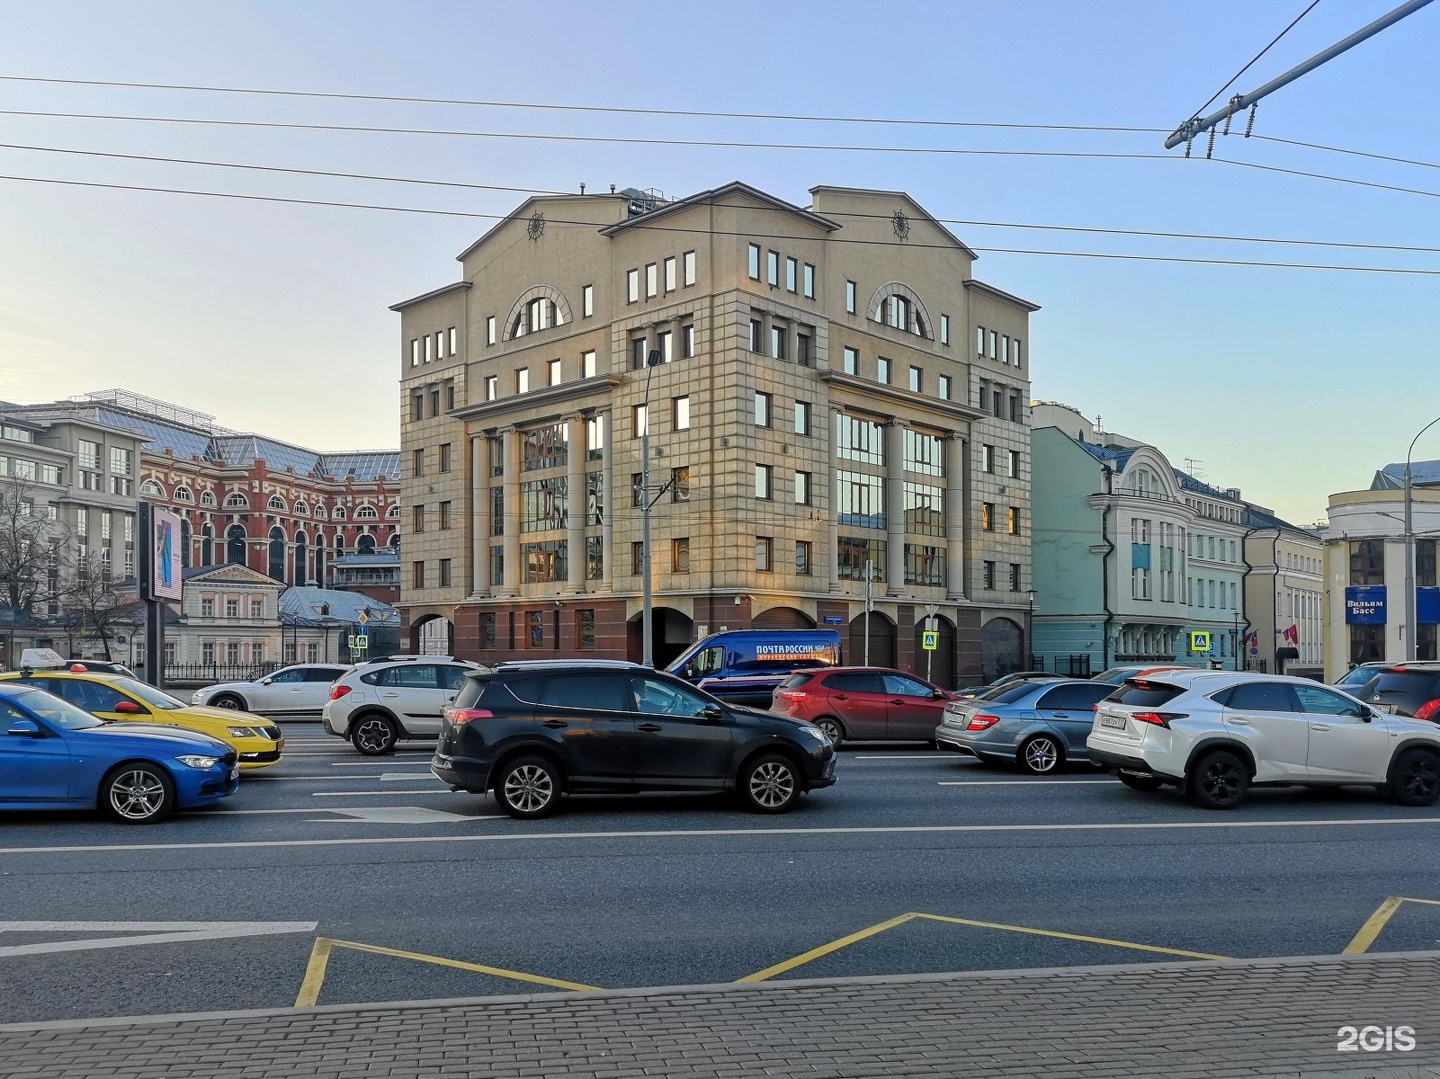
pixel 1069 666
pixel 207 673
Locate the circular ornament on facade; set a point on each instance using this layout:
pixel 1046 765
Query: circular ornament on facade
pixel 535 228
pixel 901 224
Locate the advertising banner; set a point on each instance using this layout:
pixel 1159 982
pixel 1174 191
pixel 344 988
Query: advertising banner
pixel 165 552
pixel 1365 606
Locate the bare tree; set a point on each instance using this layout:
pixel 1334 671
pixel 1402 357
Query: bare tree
pixel 96 604
pixel 34 552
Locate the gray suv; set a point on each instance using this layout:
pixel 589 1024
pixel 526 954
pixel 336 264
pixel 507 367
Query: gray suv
pixel 377 703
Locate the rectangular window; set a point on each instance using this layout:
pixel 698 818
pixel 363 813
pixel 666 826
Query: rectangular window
pixel 587 363
pixel 680 413
pixel 756 333
pixel 417 574
pixel 882 370
pixel 426 340
pixel 791 274
pixel 207 607
pixel 1015 415
pixel 764 554
pixel 664 346
pixel 490 329
pixel 652 280
pixel 1014 576
pixel 764 475
pixel 860 500
pixel 638 349
pixel 850 360
pixel 802 488
pixel 414 352
pixel 924 565
pixel 994 340
pixel 852 555
pixel 492 387
pixel 1015 352
pixel 435 402
pixel 772 267
pixel 1005 348
pixel 497 566
pixel 450 396
pixel 803 349
pixel 544 562
pixel 987 516
pixel 587 301
pixel 762 409
pixel 754 262
pixel 637 488
pixel 522 380
pixel 1012 460
pixel 687 268
pixel 89 454
pixel 640 420
pixel 680 555
pixel 232 653
pixel 916 377
pixel 554 371
pixel 670 282
pixel 802 417
pixel 924 508
pixel 777 342
pixel 804 563
pixel 687 341
pixel 680 484
pixel 594 558
pixel 944 329
pixel 942 387
pixel 987 458
pixel 637 558
pixel 1367 562
pixel 632 286
pixel 998 400
pixel 1012 520
pixel 808 277
pixel 417 463
pixel 442 516
pixel 439 344
pixel 987 575
pixel 849 297
pixel 418 519
pixel 444 581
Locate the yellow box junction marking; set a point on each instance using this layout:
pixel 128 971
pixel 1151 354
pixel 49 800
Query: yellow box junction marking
pixel 320 958
pixel 1377 921
pixel 853 938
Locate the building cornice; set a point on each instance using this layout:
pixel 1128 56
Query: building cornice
pixel 457 286
pixel 913 401
pixel 1000 294
pixel 503 408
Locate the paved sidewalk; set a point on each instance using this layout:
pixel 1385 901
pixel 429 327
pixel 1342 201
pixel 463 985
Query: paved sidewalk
pixel 1275 1017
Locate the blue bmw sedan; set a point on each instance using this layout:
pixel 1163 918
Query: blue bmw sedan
pixel 55 756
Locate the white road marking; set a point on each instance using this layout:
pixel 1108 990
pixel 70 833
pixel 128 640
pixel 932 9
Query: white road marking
pixel 142 933
pixel 375 764
pixel 730 833
pixel 1016 782
pixel 937 756
pixel 395 815
pixel 401 794
pixel 383 777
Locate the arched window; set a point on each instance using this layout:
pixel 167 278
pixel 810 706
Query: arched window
pixel 236 501
pixel 207 498
pixel 275 565
pixel 302 567
pixel 207 545
pixel 339 513
pixel 393 511
pixel 151 489
pixel 185 541
pixel 538 314
pixel 366 513
pixel 276 503
pixel 395 542
pixel 302 509
pixel 896 305
pixel 339 546
pixel 235 544
pixel 366 545
pixel 320 513
pixel 183 494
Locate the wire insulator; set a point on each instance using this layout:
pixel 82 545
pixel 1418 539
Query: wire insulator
pixel 1250 123
pixel 1210 149
pixel 1188 140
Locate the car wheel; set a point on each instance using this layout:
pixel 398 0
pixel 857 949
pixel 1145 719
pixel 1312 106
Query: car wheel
pixel 1141 783
pixel 1415 778
pixel 528 787
pixel 1041 755
pixel 228 700
pixel 374 736
pixel 1219 780
pixel 833 730
pixel 138 793
pixel 769 784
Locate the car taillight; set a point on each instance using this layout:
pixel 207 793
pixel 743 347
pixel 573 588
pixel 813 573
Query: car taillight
pixel 982 723
pixel 1428 710
pixel 794 694
pixel 1160 719
pixel 336 692
pixel 467 715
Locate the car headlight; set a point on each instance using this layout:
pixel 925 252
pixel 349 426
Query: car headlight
pixel 241 732
pixel 815 732
pixel 197 697
pixel 196 760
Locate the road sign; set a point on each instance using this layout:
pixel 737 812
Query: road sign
pixel 360 642
pixel 1200 640
pixel 930 640
pixel 363 618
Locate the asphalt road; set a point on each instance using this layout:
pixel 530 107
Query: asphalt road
pixel 333 878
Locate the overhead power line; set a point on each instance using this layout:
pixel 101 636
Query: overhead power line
pixel 1253 61
pixel 719 232
pixel 617 110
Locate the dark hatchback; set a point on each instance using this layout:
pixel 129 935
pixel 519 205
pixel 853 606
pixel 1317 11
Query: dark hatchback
pixel 1406 689
pixel 534 731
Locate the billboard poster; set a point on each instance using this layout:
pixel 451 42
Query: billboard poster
pixel 165 554
pixel 1365 606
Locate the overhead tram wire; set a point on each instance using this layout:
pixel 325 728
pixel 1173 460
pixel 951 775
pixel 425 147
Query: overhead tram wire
pixel 1234 78
pixel 967 222
pixel 720 232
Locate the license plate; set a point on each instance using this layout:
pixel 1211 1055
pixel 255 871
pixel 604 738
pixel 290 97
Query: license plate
pixel 1385 708
pixel 234 771
pixel 1114 722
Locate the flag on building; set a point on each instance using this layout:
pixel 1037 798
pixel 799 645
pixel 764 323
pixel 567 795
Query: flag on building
pixel 1292 634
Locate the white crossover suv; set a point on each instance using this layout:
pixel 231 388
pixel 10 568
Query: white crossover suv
pixel 377 703
pixel 1215 734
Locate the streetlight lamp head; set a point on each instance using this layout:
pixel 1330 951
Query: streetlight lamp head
pixel 652 358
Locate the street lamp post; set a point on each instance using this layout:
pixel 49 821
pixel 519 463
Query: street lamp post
pixel 1410 547
pixel 647 630
pixel 1030 633
pixel 1235 643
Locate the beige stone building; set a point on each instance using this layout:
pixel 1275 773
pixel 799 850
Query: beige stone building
pixel 833 387
pixel 1284 594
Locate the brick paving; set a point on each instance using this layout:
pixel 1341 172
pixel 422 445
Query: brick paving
pixel 1272 1017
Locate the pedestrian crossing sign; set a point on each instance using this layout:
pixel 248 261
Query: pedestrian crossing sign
pixel 1199 640
pixel 930 640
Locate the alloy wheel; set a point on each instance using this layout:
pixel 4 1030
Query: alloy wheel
pixel 529 788
pixel 1223 782
pixel 137 795
pixel 1419 778
pixel 374 736
pixel 772 785
pixel 1041 755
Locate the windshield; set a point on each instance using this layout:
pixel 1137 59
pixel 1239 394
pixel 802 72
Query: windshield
pixel 1357 676
pixel 54 710
pixel 147 693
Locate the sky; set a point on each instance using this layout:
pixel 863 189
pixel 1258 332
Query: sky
pixel 1289 383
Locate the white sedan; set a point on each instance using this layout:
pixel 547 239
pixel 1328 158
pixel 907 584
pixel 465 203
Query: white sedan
pixel 296 690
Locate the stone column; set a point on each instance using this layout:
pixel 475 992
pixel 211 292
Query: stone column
pixel 832 528
pixel 511 453
pixel 479 515
pixel 955 518
pixel 608 500
pixel 575 504
pixel 895 507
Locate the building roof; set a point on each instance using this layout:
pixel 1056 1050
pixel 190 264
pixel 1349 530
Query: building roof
pixel 302 606
pixel 734 187
pixel 1255 517
pixel 1115 457
pixel 383 558
pixel 186 434
pixel 1392 477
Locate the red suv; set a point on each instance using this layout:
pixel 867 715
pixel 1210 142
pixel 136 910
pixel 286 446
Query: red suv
pixel 854 703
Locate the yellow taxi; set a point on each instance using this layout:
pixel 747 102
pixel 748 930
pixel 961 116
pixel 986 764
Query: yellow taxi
pixel 256 740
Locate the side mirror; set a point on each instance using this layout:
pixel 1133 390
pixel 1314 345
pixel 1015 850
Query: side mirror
pixel 713 712
pixel 938 695
pixel 129 708
pixel 266 681
pixel 25 728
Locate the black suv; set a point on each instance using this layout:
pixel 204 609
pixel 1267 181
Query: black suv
pixel 1408 689
pixel 531 731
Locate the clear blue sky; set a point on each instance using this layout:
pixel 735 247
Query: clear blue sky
pixel 1289 384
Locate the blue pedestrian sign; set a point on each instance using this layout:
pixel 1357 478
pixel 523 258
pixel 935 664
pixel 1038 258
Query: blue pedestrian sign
pixel 930 640
pixel 1200 640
